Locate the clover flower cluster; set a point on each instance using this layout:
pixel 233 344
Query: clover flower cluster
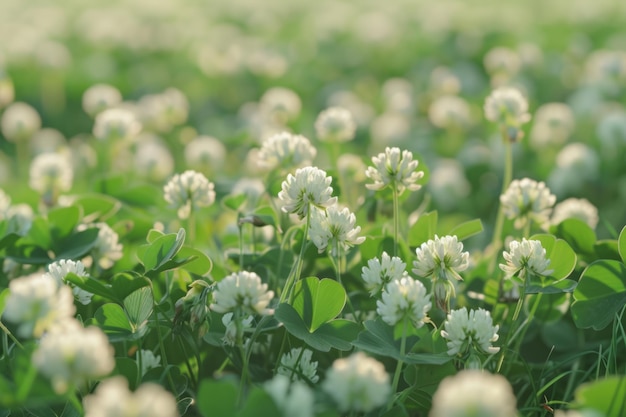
pixel 575 208
pixel 394 168
pixel 59 270
pixel 286 150
pixel 298 366
pixel 335 124
pixel 112 398
pixel 293 398
pixel 379 272
pixel 242 290
pixel 441 260
pixel 189 191
pixel 335 228
pixel 470 331
pixel 402 299
pixel 509 108
pixel 116 123
pixel 358 383
pixel 525 257
pixel 527 200
pixel 474 393
pixel 19 122
pixel 106 249
pixel 309 188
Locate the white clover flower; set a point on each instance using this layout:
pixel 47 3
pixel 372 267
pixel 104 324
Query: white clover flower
pixel 448 183
pixel 335 228
pixel 335 124
pixel 466 331
pixel 48 140
pixel 112 398
pixel 448 112
pixel 205 153
pixel 507 107
pixel 297 365
pixel 577 208
pixel 189 191
pixel 230 334
pixel 5 203
pixel 526 200
pixel 116 123
pixel 280 105
pixel 100 97
pixel 441 259
pixel 579 160
pixel 396 169
pixel 404 298
pixel 357 383
pixel 19 122
pixel 58 270
pixel 153 160
pixel 107 248
pixel 398 95
pixel 148 360
pixel 379 272
pixel 71 355
pixel 309 187
pixel 286 150
pixel 611 130
pixel 525 257
pixel 242 290
pixel 294 399
pixel 444 81
pixel 21 216
pixel 473 393
pixel 51 173
pixel 36 302
pixel 502 61
pixel 553 124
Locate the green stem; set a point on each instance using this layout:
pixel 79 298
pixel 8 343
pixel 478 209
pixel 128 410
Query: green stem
pixel 162 349
pixel 73 399
pixel 518 309
pixel 496 241
pixel 337 265
pixel 241 247
pixel 396 375
pixel 27 383
pixel 396 219
pixel 238 317
pixel 8 333
pixel 293 278
pixel 191 227
pixel 521 331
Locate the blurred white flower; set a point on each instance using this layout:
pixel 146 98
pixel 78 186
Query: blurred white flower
pixel 206 154
pixel 21 218
pixel 230 334
pixel 357 383
pixel 606 69
pixel 297 365
pixel 161 112
pixel 443 82
pixel 309 187
pixel 335 228
pixel 390 128
pixel 448 183
pixel 509 108
pixel 5 203
pixel 404 298
pixel 112 398
pixel 116 123
pixel 577 208
pixel 153 159
pixel 294 399
pixel 394 168
pixel 473 393
pixel 286 150
pixel 448 112
pixel 71 355
pixel 37 302
pixel 524 258
pixel 611 131
pixel 502 64
pixel 242 290
pixel 379 272
pixel 50 174
pixel 58 270
pixel 527 200
pixel 578 413
pixel 466 331
pixel 148 360
pixel 189 191
pixel 441 259
pixel 553 125
pixel 580 160
pixel 335 124
pixel 280 105
pixel 398 95
pixel 107 248
pixel 100 97
pixel 19 122
pixel 47 140
pixel 360 110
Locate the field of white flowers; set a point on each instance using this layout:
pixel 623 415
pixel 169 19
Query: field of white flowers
pixel 312 209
